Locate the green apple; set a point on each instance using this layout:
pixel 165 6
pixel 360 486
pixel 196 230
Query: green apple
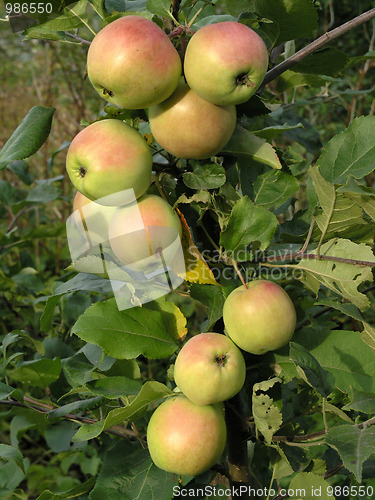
pixel 209 368
pixel 140 230
pixel 184 438
pixel 109 157
pixel 225 63
pixel 259 318
pixel 133 64
pixel 188 126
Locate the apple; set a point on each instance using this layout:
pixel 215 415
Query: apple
pixel 133 64
pixel 188 126
pixel 109 157
pixel 209 368
pixel 225 63
pixel 184 438
pixel 259 318
pixel 140 230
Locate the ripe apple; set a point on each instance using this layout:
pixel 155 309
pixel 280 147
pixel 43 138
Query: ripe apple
pixel 133 64
pixel 209 368
pixel 259 318
pixel 109 157
pixel 140 230
pixel 184 438
pixel 188 126
pixel 225 63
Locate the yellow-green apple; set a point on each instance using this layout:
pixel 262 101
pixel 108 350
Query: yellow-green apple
pixel 140 230
pixel 259 318
pixel 188 126
pixel 184 438
pixel 225 63
pixel 209 368
pixel 109 157
pixel 133 64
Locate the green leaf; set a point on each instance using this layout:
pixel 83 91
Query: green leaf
pixel 361 401
pixel 247 224
pixel 11 454
pixel 49 312
pixel 313 373
pixel 354 445
pixel 309 486
pixel 340 214
pixel 75 492
pixel 290 80
pixel 44 191
pixel 82 405
pixel 267 417
pixel 244 144
pixel 213 297
pixel 151 391
pixel 273 188
pixel 72 18
pixel 340 277
pixel 6 392
pixel 364 196
pixel 114 387
pixel 269 133
pixel 368 335
pixel 352 152
pixel 126 334
pixel 208 176
pixel 59 435
pixel 159 7
pixel 77 369
pixel 342 353
pixel 129 473
pixel 291 19
pixel 40 372
pixel 330 61
pixel 29 136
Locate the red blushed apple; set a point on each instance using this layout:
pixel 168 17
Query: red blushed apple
pixel 141 229
pixel 209 368
pixel 188 126
pixel 109 157
pixel 225 63
pixel 259 318
pixel 133 64
pixel 184 438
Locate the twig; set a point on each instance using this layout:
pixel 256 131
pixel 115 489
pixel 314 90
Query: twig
pixel 78 38
pixel 315 45
pixel 45 409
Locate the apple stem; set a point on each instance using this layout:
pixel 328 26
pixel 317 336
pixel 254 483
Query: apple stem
pixel 235 265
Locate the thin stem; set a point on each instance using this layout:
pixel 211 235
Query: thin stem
pixel 305 245
pixel 78 38
pixel 235 265
pixel 315 45
pixel 324 411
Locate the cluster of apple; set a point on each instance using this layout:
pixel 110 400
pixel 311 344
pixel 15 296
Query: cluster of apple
pixel 133 64
pixel 186 434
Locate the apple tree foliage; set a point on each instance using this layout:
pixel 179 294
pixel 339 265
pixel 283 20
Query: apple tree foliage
pixel 290 198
